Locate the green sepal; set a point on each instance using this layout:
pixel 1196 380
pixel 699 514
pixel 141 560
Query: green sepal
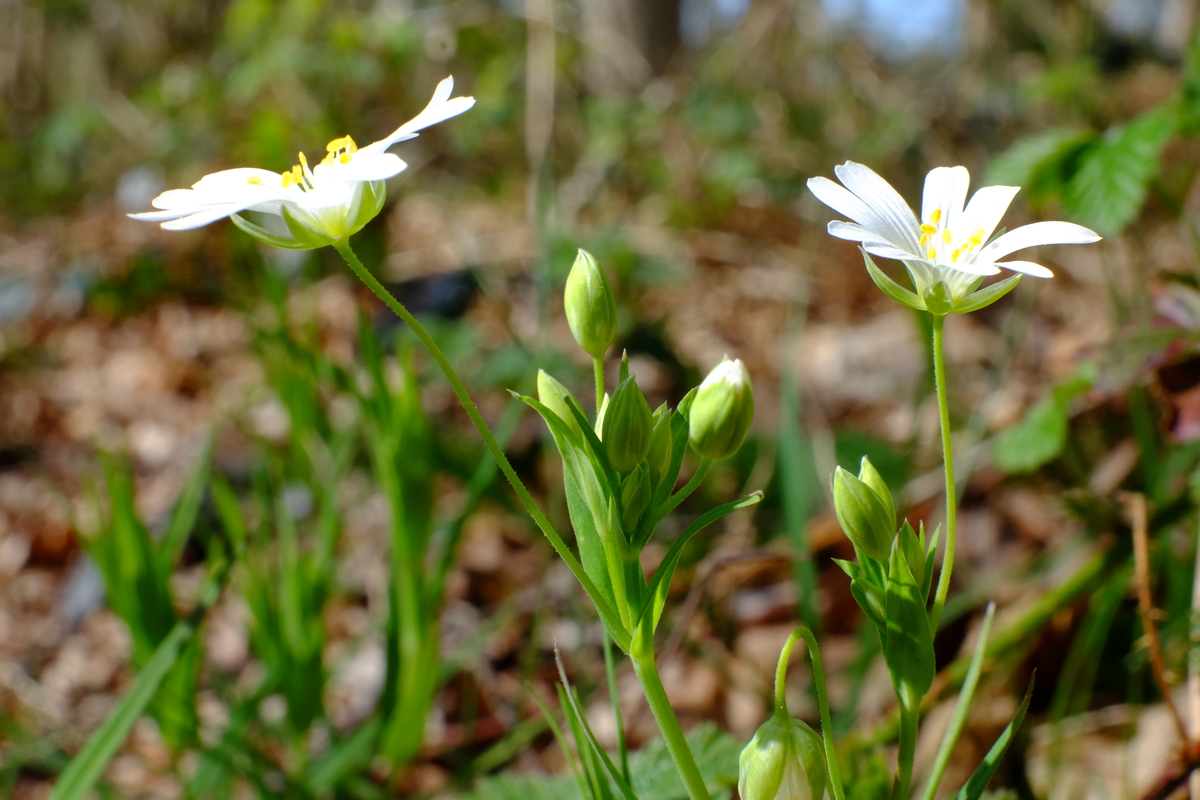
pixel 985 297
pixel 889 286
pixel 595 447
pixel 938 300
pixel 930 555
pixel 873 601
pixel 369 204
pixel 849 567
pixel 265 236
pixel 309 237
pixel 863 515
pixel 908 646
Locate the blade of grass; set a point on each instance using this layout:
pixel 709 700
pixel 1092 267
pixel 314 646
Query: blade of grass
pixel 187 507
pixel 86 767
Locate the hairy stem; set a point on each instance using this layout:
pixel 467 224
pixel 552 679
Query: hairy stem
pixel 642 655
pixel 939 378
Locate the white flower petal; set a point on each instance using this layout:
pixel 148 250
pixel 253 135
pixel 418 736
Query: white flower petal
pixel 879 195
pixel 850 231
pixel 1036 234
pixel 885 250
pixel 845 202
pixel 972 267
pixel 441 107
pixel 203 217
pixel 369 166
pixel 1026 268
pixel 985 210
pixel 946 191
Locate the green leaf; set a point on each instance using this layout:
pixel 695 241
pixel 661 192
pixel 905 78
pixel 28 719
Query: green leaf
pixel 1108 190
pixel 661 581
pixel 959 719
pixel 1035 440
pixel 187 507
pixel 908 646
pixel 85 768
pixel 1041 164
pixel 974 788
pixel 872 600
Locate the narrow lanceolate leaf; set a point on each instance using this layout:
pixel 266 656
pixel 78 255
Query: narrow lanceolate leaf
pixel 961 707
pixel 1108 190
pixel 974 788
pixel 88 764
pixel 908 647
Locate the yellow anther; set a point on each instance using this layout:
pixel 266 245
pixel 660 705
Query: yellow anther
pixel 927 228
pixel 935 216
pixel 931 253
pixel 344 158
pixel 303 161
pixel 287 178
pixel 924 239
pixel 980 232
pixel 328 159
pixel 344 143
pixel 954 256
pixel 975 240
pixel 254 180
pixel 947 237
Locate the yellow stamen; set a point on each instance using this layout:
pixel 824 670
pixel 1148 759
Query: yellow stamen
pixel 980 232
pixel 328 159
pixel 954 256
pixel 975 240
pixel 947 237
pixel 303 161
pixel 927 228
pixel 344 143
pixel 254 180
pixel 344 158
pixel 931 253
pixel 935 216
pixel 924 239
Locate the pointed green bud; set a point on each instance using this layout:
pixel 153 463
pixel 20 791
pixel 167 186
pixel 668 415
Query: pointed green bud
pixel 782 762
pixel 863 516
pixel 635 497
pixel 553 395
pixel 591 306
pixel 627 426
pixel 662 445
pixel 871 477
pixel 722 411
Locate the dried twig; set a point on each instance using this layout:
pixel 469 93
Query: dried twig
pixel 1135 506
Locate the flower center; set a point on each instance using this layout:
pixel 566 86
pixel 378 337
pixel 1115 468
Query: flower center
pixel 299 175
pixel 938 240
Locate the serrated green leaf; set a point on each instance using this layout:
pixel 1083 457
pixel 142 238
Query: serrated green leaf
pixel 1041 164
pixel 1109 187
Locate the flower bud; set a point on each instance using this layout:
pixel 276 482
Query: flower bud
pixel 871 477
pixel 627 426
pixel 591 306
pixel 863 516
pixel 662 445
pixel 553 395
pixel 721 413
pixel 782 762
pixel 635 497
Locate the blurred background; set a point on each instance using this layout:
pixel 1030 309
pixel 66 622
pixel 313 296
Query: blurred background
pixel 159 390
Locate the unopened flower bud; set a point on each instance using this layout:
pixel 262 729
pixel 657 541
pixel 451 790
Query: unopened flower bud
pixel 661 445
pixel 553 395
pixel 871 477
pixel 782 762
pixel 627 426
pixel 863 516
pixel 635 497
pixel 721 414
pixel 591 306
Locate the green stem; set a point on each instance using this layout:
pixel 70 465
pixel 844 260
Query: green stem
pixel 814 654
pixel 939 378
pixel 642 655
pixel 598 369
pixel 909 719
pixel 689 487
pixel 460 391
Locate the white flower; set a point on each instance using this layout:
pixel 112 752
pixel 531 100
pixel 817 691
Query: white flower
pixel 950 242
pixel 321 205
